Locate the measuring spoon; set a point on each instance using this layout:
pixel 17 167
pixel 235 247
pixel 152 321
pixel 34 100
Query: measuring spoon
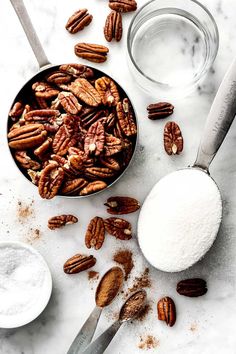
pixel 86 333
pixel 102 342
pixel 219 120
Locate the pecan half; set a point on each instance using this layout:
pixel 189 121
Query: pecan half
pixel 90 115
pixel 78 263
pixel 44 90
pixel 159 110
pixel 192 287
pixel 126 118
pixel 27 136
pixel 112 145
pixel 59 78
pixel 113 27
pixel 93 187
pixel 50 180
pixel 66 136
pixel 166 311
pixel 107 90
pixel 121 205
pixel 16 111
pixel 118 227
pixel 110 162
pixel 78 21
pixel 93 52
pixel 41 115
pixel 77 70
pixel 173 140
pixel 43 148
pixel 123 5
pixel 74 186
pixel 95 234
pixel 82 89
pixel 34 176
pixel 99 172
pixel 69 102
pixel 94 139
pixel 26 162
pixel 58 221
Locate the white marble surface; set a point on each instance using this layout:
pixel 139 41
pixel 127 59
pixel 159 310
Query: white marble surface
pixel 212 317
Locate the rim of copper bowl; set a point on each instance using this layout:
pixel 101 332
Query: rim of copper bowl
pixel 55 66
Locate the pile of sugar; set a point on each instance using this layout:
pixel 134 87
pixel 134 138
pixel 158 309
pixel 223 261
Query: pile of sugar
pixel 22 278
pixel 179 220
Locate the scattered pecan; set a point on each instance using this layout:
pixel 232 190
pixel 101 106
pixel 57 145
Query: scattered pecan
pixel 173 140
pixel 57 222
pixel 42 149
pixel 78 263
pixel 50 180
pixel 113 27
pixel 109 162
pixel 27 136
pixel 123 5
pixel 74 186
pixel 121 205
pixel 112 145
pixel 192 287
pixel 16 111
pixel 93 187
pixel 94 139
pixel 93 52
pixel 25 161
pixel 107 90
pixel 95 234
pixel 78 21
pixel 126 118
pixel 82 89
pixel 166 311
pixel 44 90
pixel 159 110
pixel 77 70
pixel 118 227
pixel 69 102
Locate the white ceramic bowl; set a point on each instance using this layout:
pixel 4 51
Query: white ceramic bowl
pixel 39 302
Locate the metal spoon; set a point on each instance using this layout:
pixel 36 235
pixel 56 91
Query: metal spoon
pixel 86 333
pixel 102 342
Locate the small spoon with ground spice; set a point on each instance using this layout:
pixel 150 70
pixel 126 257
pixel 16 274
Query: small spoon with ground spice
pixel 107 290
pixel 131 308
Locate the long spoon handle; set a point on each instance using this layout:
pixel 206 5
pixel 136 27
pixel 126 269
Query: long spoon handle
pixel 219 120
pixel 101 343
pixel 86 333
pixel 30 32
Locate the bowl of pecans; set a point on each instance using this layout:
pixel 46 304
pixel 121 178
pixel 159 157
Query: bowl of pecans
pixel 72 131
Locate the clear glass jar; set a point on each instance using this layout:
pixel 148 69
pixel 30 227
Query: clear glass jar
pixel 171 46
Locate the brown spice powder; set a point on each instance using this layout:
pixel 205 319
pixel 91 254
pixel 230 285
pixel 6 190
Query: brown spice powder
pixel 148 342
pixel 143 281
pixel 24 211
pixel 109 286
pixel 125 259
pixel 133 305
pixel 144 313
pixel 92 275
pixel 34 235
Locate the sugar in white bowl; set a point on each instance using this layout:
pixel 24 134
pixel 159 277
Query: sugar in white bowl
pixel 179 220
pixel 25 284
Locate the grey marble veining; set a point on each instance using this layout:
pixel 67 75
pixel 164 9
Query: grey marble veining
pixel 205 325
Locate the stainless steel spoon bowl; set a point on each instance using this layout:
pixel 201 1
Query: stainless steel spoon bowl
pixel 45 68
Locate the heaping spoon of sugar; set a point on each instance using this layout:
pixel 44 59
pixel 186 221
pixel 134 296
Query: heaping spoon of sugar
pixel 181 216
pixel 130 309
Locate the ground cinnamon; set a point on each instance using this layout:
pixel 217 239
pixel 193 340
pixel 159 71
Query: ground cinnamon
pixel 148 342
pixel 125 259
pixel 109 286
pixel 92 275
pixel 143 281
pixel 133 305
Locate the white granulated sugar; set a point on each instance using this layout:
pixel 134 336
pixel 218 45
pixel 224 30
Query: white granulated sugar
pixel 179 220
pixel 22 278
